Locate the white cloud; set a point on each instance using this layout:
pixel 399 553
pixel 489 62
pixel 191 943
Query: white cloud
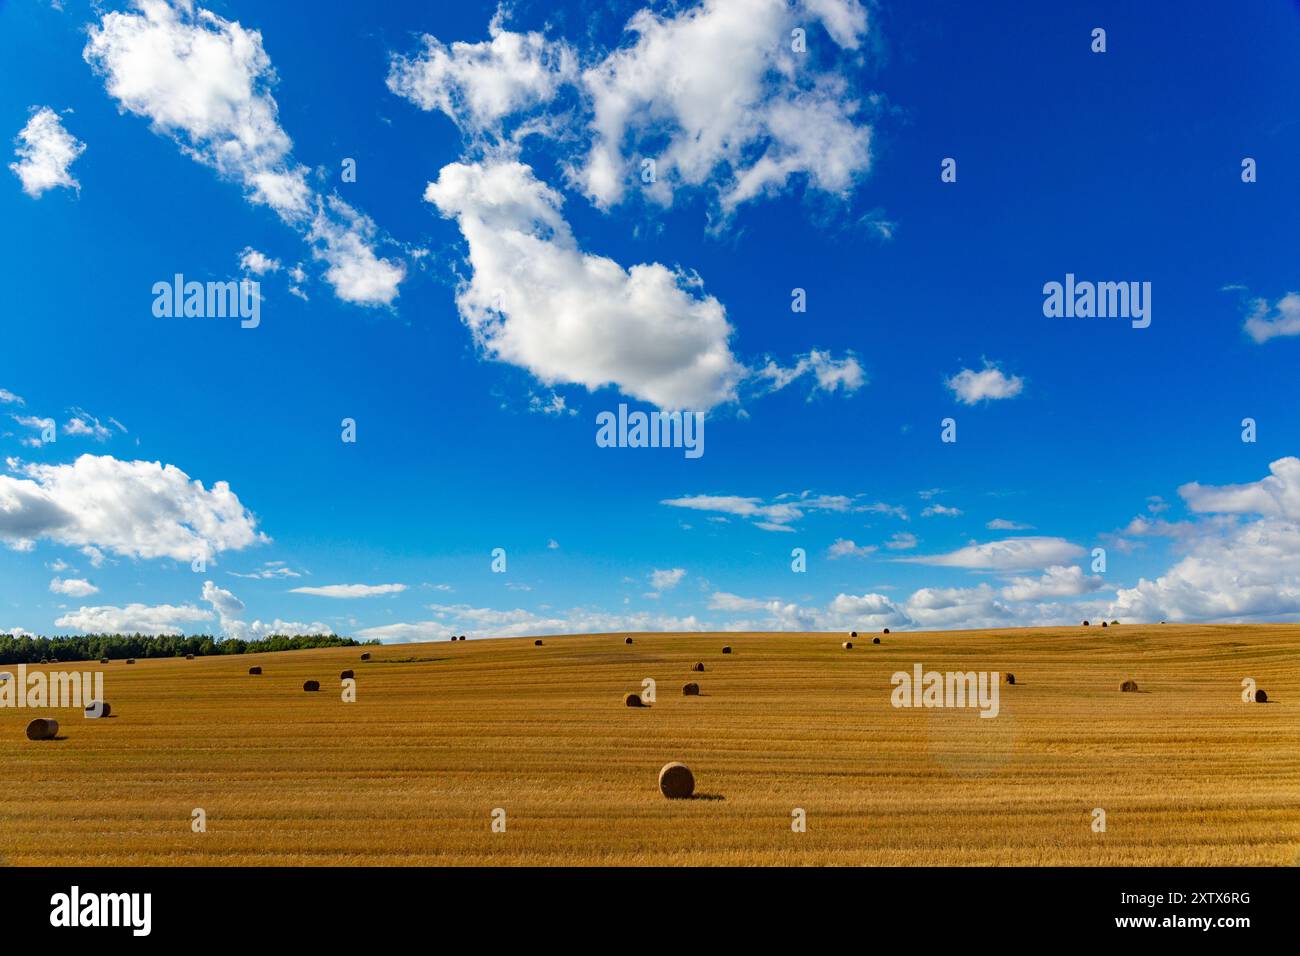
pixel 1058 581
pixel 844 548
pixel 224 602
pixel 940 511
pixel 350 590
pixel 895 511
pixel 258 630
pixel 553 405
pixel 45 150
pixel 1251 572
pixel 723 601
pixel 206 83
pixel 1232 570
pixel 829 374
pixel 1277 495
pixel 86 425
pixel 902 541
pixel 667 580
pixel 42 426
pixel 776 515
pixel 937 608
pixel 845 20
pixel 9 398
pixel 73 587
pixel 958 607
pixel 137 509
pixel 1004 524
pixel 716 97
pixel 1282 319
pixel 991 384
pixel 258 263
pixel 478 85
pixel 536 300
pixel 344 240
pixel 1010 554
pixel 230 608
pixel 268 570
pixel 490 622
pixel 133 619
pixel 845 611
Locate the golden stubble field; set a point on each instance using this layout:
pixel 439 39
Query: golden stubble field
pixel 443 734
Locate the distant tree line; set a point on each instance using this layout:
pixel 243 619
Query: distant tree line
pixel 86 647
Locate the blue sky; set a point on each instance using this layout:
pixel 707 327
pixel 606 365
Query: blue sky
pixel 499 273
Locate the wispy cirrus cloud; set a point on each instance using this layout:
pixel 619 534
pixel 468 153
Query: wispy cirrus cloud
pixel 779 514
pixel 1009 554
pixel 1005 524
pixel 350 590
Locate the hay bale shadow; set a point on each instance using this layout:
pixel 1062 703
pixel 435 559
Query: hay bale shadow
pixel 706 796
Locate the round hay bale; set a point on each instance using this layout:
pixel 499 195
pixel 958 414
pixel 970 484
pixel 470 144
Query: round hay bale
pixel 1129 687
pixel 1261 697
pixel 691 690
pixel 847 645
pixel 255 670
pixel 698 666
pixel 676 782
pixel 311 686
pixel 1011 678
pixel 1104 624
pixel 633 700
pixel 875 640
pixel 627 640
pixel 853 633
pixel 130 660
pixel 103 660
pixel 347 675
pixel 98 705
pixel 5 675
pixel 366 656
pixel 726 649
pixel 885 631
pixel 1085 623
pixel 42 728
pixel 189 657
pixel 453 638
pixel 537 643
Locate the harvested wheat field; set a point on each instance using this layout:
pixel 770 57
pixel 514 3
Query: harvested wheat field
pixel 1186 771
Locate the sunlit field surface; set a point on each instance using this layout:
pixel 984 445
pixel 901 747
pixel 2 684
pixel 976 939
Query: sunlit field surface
pixel 441 735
